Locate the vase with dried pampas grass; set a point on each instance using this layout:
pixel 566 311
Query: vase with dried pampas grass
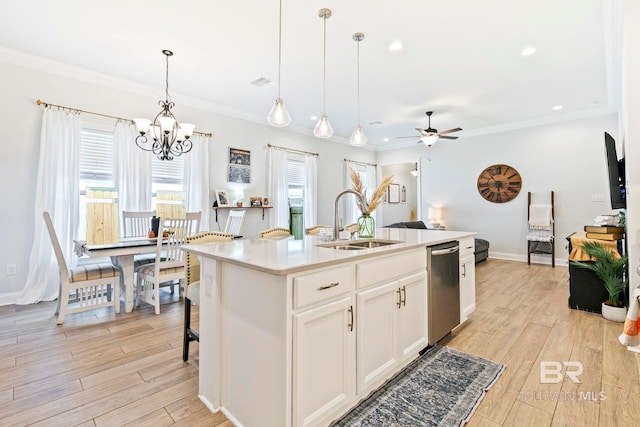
pixel 366 224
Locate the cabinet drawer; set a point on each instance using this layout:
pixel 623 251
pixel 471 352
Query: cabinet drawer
pixel 390 267
pixel 467 246
pixel 315 287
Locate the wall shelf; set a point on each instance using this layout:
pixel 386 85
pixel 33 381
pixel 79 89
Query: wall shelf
pixel 240 209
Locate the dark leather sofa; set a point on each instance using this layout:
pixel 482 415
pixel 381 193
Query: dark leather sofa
pixel 481 251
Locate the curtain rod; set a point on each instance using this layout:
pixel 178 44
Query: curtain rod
pixel 46 104
pixel 292 150
pixel 361 163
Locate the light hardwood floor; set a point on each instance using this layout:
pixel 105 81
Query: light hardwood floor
pixel 105 369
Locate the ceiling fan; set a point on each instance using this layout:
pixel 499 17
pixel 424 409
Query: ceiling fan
pixel 429 135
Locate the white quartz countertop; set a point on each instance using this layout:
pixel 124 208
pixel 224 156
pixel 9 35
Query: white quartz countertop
pixel 285 256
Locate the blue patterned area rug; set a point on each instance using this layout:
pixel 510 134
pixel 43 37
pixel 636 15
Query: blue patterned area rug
pixel 443 387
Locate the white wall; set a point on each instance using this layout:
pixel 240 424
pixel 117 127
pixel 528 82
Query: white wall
pixel 20 144
pixel 567 158
pixel 398 212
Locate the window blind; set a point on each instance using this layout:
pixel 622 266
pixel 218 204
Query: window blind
pixel 296 173
pixel 168 171
pixel 96 155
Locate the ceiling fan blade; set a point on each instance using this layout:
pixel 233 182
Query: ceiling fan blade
pixel 448 137
pixel 444 132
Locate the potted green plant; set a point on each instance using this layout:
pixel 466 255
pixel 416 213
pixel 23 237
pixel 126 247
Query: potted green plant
pixel 611 269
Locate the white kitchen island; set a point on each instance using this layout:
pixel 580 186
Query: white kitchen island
pixel 293 334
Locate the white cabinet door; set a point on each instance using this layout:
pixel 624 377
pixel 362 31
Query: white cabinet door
pixel 323 361
pixel 413 330
pixel 467 286
pixel 377 344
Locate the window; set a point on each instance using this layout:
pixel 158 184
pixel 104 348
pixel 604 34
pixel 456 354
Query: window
pixel 166 175
pixel 96 167
pixel 296 179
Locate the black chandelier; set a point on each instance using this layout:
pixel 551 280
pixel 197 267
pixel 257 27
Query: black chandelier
pixel 170 139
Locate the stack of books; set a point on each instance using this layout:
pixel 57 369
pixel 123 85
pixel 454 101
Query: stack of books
pixel 607 232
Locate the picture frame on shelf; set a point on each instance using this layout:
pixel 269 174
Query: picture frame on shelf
pixel 239 170
pixel 394 193
pixel 222 197
pixel 265 201
pixel 255 202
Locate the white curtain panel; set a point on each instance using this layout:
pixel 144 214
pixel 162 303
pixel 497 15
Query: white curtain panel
pixel 278 187
pixel 196 179
pixel 373 180
pixel 57 191
pixel 310 208
pixel 132 170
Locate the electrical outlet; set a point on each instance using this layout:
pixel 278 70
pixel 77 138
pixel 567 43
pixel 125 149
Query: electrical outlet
pixel 11 269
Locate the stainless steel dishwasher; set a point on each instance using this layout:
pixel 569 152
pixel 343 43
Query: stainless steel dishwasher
pixel 443 269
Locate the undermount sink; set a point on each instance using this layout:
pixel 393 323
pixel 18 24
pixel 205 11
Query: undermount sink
pixel 350 245
pixel 346 247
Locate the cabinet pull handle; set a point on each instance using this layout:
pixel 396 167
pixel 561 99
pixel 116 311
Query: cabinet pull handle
pixel 464 270
pixel 350 325
pixel 399 298
pixel 332 285
pixel 404 296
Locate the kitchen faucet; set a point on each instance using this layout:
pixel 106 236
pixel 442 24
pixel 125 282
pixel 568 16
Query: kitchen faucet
pixel 336 224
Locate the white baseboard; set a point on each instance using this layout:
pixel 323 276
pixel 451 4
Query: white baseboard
pixel 9 298
pixel 535 258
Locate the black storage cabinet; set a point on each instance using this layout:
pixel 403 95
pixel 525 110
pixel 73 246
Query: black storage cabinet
pixel 586 290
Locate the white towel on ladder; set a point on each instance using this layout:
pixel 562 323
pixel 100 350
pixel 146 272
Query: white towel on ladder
pixel 540 217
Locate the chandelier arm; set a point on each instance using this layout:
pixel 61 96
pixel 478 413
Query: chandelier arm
pixel 141 141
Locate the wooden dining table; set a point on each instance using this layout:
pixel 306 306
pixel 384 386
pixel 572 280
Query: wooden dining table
pixel 121 254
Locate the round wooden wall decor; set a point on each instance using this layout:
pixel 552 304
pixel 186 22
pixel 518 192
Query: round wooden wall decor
pixel 499 183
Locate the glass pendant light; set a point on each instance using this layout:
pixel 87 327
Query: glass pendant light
pixel 358 138
pixel 279 116
pixel 323 128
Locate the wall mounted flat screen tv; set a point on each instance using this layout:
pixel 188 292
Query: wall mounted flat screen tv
pixel 615 167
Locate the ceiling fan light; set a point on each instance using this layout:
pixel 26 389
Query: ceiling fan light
pixel 358 138
pixel 323 128
pixel 429 140
pixel 278 116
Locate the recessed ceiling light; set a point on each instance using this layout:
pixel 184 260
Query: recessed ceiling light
pixel 529 50
pixel 314 118
pixel 385 139
pixel 396 45
pixel 556 107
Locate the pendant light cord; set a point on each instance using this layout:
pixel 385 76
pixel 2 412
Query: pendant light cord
pixel 279 48
pixel 324 68
pixel 166 81
pixel 358 91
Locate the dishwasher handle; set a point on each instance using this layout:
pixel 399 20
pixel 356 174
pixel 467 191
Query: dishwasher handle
pixel 445 251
